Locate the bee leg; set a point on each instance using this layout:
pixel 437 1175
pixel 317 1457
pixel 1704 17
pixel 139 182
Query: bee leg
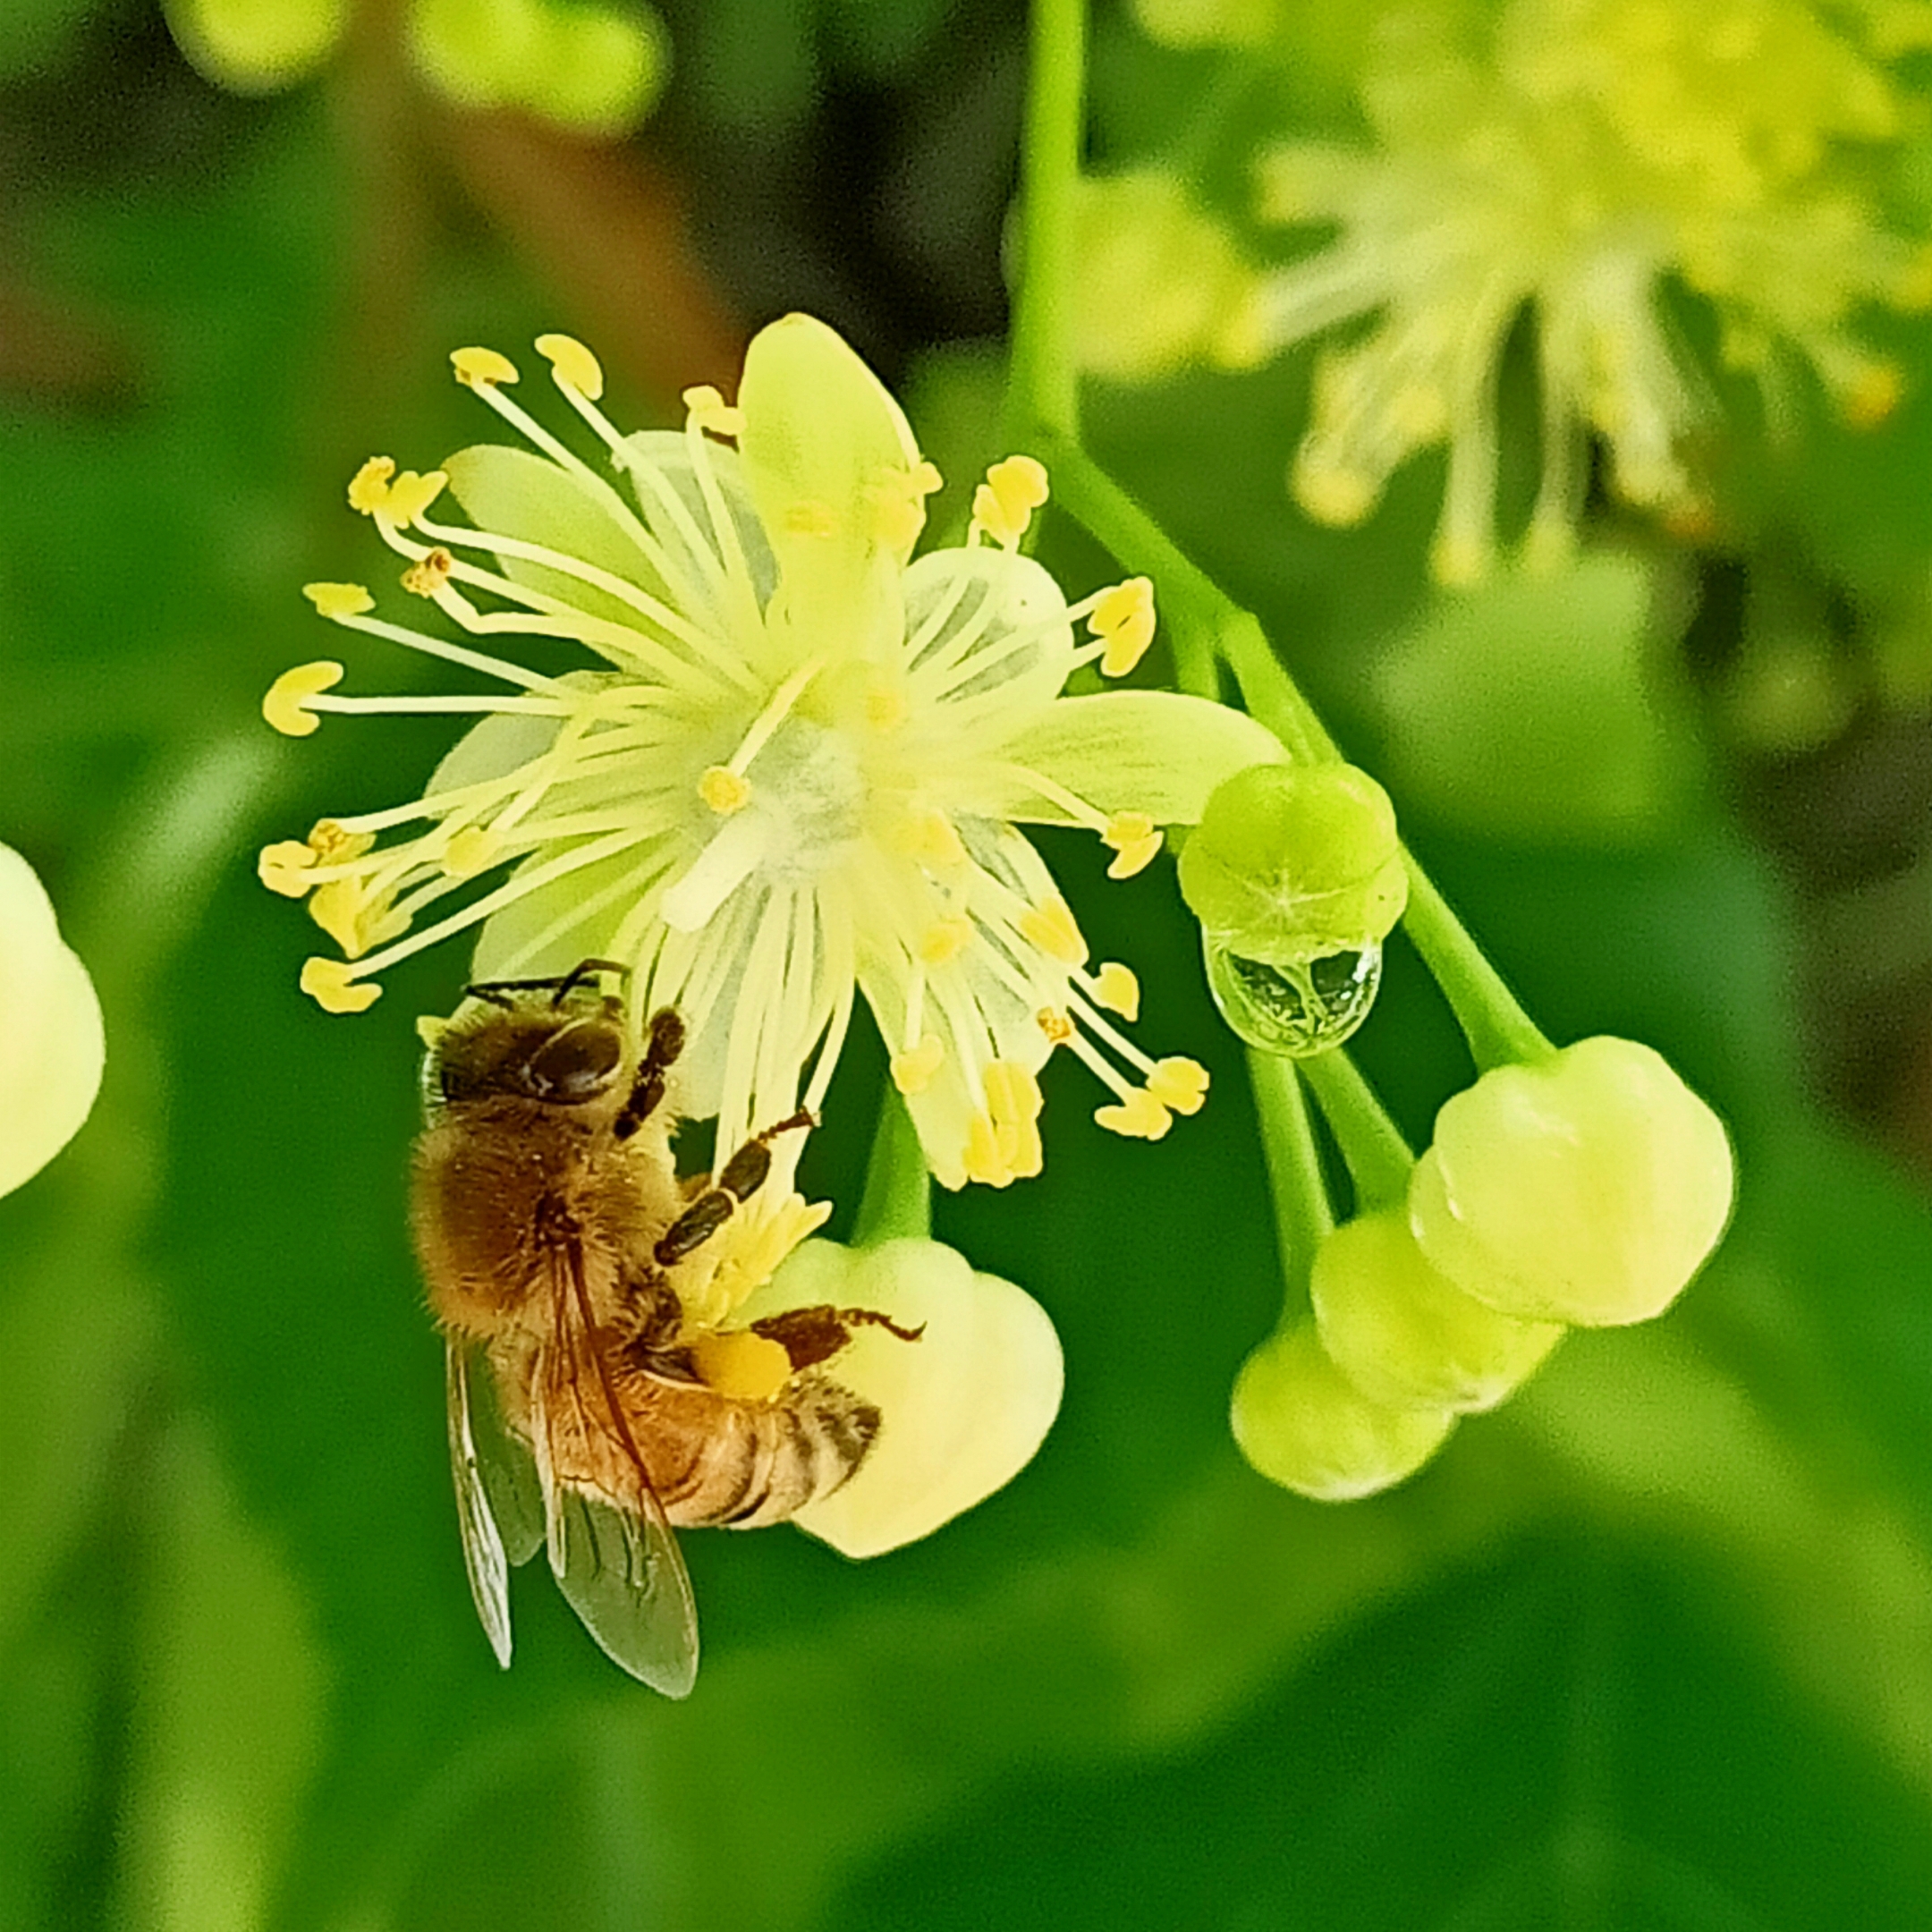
pixel 666 1043
pixel 810 1335
pixel 743 1174
pixel 694 1227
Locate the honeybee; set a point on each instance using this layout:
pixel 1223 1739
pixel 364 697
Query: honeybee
pixel 553 1228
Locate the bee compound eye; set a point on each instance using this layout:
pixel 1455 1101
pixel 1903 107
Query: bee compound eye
pixel 576 1064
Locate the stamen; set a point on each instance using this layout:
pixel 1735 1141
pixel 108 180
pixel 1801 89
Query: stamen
pixel 929 838
pixel 1051 927
pixel 1003 504
pixel 1116 988
pixel 1179 1083
pixel 288 701
pixel 339 600
pixel 1133 837
pixel 330 984
pixel 725 791
pixel 429 575
pixel 469 851
pixel 899 505
pixel 1139 1116
pixel 1123 617
pixel 912 1071
pixel 482 368
pixel 573 365
pixel 368 488
pixel 710 412
pixel 1057 1028
pixel 287 867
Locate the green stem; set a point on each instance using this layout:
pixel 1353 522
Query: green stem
pixel 1499 1033
pixel 897 1201
pixel 1303 1215
pixel 1377 1156
pixel 1043 392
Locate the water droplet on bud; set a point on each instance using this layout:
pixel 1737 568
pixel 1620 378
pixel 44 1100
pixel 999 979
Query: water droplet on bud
pixel 1299 1008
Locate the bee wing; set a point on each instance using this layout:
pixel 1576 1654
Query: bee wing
pixel 620 1569
pixel 508 1472
pixel 484 1555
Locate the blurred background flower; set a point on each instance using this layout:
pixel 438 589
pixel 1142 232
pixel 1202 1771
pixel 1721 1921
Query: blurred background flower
pixel 1648 1644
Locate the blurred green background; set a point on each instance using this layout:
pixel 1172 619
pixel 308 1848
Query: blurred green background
pixel 1651 1647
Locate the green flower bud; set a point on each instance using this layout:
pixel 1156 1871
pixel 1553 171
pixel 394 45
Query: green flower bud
pixel 1405 1336
pixel 1294 861
pixel 1296 875
pixel 1302 1423
pixel 1586 1187
pixel 255 47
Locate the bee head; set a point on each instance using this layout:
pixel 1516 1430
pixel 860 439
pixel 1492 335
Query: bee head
pixel 561 1058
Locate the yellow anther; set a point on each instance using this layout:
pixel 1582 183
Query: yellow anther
pixel 899 505
pixel 287 867
pixel 1123 617
pixel 339 600
pixel 1134 841
pixel 478 368
pixel 1003 504
pixel 343 908
pixel 332 845
pixel 1139 1116
pixel 1013 1105
pixel 712 414
pixel 725 791
pixel 928 836
pixel 368 488
pixel 285 704
pixel 945 939
pixel 1051 927
pixel 1116 989
pixel 753 1368
pixel 573 365
pixel 411 495
pixel 1055 1024
pixel 811 519
pixel 753 1245
pixel 334 988
pixel 982 1157
pixel 912 1071
pixel 429 575
pixel 1179 1083
pixel 469 851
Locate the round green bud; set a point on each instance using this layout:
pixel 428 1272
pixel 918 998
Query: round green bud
pixel 1406 1336
pixel 1294 862
pixel 1587 1187
pixel 256 47
pixel 600 72
pixel 1302 1423
pixel 476 52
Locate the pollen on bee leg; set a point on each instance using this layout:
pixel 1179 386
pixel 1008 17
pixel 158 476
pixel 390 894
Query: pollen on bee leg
pixel 753 1368
pixel 706 408
pixel 573 365
pixel 1134 841
pixel 725 791
pixel 1123 618
pixel 1003 504
pixel 912 1071
pixel 331 984
pixel 285 703
pixel 1050 925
